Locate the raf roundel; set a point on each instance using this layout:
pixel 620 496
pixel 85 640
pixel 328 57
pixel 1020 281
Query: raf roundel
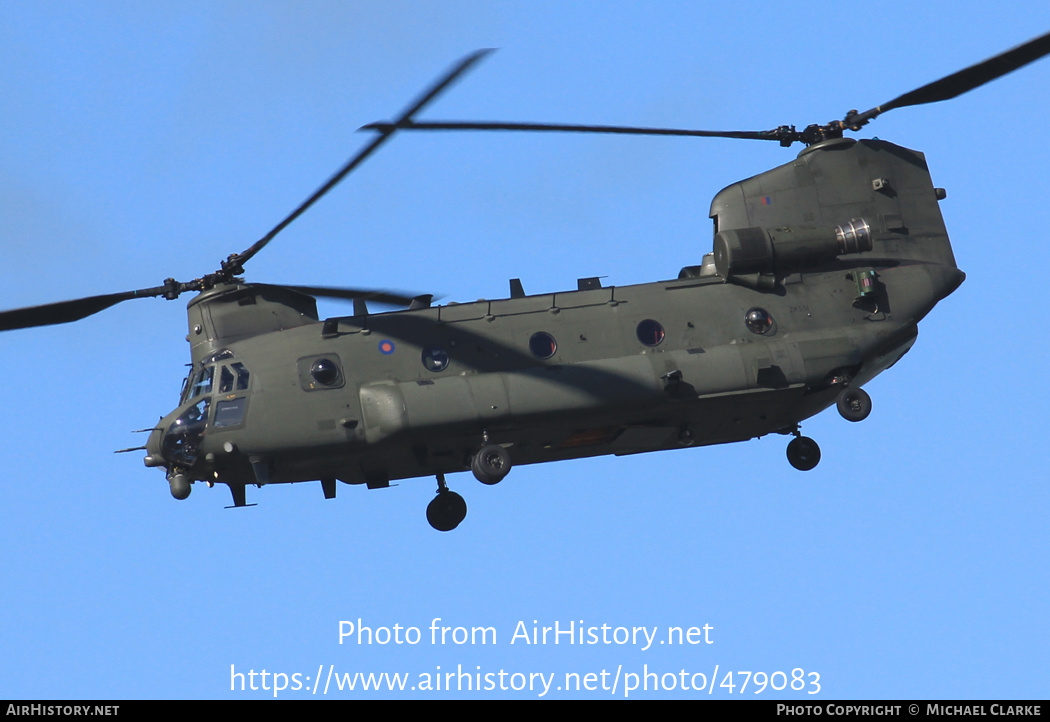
pixel 386 347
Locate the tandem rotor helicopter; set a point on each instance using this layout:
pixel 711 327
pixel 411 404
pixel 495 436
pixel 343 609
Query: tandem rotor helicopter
pixel 820 272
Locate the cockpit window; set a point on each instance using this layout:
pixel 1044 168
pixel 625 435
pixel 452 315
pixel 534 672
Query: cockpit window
pixel 183 438
pixel 230 412
pixel 220 355
pixel 226 380
pixel 242 376
pixel 232 375
pixel 202 382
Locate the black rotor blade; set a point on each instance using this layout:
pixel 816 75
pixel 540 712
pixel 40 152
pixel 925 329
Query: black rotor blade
pixel 963 81
pixel 68 311
pixel 409 124
pixel 392 298
pixel 441 84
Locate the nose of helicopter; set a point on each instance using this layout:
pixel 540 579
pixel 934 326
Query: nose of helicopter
pixel 176 439
pixel 154 457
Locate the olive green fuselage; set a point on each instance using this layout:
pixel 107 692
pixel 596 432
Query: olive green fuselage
pixel 616 370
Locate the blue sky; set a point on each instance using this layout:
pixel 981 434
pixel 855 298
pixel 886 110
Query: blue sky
pixel 143 141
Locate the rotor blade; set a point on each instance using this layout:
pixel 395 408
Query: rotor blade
pixel 963 81
pixel 409 124
pixel 392 298
pixel 428 95
pixel 68 311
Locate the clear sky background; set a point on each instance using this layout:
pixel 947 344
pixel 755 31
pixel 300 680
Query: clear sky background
pixel 144 140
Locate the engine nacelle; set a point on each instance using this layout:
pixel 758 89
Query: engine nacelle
pixel 787 248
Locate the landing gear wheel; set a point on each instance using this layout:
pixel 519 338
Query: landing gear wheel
pixel 803 453
pixel 854 404
pixel 446 510
pixel 490 464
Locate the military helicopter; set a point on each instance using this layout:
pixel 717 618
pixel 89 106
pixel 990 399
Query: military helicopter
pixel 820 272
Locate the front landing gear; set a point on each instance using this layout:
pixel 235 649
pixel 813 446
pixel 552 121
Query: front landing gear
pixel 447 509
pixel 803 452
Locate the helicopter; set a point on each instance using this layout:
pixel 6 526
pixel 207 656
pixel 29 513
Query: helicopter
pixel 820 271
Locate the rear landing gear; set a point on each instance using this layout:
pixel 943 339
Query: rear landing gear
pixel 854 404
pixel 490 464
pixel 803 452
pixel 447 509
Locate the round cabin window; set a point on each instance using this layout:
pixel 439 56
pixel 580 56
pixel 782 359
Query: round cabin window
pixel 758 320
pixel 325 371
pixel 650 332
pixel 435 358
pixel 542 345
